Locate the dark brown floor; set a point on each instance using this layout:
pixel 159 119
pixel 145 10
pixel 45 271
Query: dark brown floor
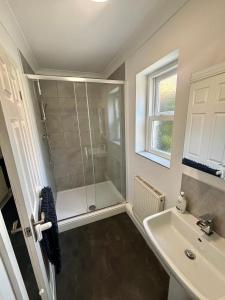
pixel 109 260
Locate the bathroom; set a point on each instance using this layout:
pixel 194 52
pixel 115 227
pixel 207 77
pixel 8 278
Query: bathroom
pixel 119 109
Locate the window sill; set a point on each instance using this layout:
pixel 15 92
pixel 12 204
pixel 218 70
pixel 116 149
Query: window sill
pixel 157 159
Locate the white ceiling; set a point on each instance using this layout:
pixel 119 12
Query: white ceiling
pixel 80 35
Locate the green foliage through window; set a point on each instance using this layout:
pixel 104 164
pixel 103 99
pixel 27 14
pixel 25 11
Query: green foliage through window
pixel 162 135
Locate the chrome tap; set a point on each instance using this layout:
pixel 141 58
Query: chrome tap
pixel 205 222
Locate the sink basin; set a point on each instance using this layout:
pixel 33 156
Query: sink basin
pixel 170 234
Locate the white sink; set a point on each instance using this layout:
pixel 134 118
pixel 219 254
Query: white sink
pixel 170 234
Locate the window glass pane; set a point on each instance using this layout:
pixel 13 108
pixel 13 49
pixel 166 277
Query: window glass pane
pixel 166 93
pixel 162 136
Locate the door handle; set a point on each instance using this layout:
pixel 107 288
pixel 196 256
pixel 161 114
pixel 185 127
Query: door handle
pixel 41 221
pixel 40 226
pixel 15 227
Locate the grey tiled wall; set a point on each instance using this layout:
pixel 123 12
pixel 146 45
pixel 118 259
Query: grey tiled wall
pixel 203 198
pixel 73 114
pixel 62 129
pixel 25 65
pixel 91 140
pixel 118 74
pixel 116 160
pixel 69 134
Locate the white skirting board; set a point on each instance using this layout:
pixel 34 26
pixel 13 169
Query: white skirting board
pixel 91 217
pixel 140 227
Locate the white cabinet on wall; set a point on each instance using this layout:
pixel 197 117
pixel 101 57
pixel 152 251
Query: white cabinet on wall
pixel 205 131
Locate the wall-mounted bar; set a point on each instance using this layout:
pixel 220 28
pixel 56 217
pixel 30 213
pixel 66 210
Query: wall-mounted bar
pixel 73 79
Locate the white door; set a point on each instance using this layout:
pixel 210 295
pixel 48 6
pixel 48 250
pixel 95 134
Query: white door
pixel 21 161
pixel 197 121
pixel 206 122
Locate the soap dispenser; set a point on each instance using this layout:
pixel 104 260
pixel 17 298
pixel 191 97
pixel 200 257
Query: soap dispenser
pixel 181 203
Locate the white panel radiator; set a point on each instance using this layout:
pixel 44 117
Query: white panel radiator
pixel 147 200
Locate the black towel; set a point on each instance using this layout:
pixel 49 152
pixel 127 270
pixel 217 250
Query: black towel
pixel 199 166
pixel 50 242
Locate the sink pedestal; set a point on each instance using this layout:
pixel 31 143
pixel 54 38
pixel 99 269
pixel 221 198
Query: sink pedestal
pixel 196 261
pixel 176 291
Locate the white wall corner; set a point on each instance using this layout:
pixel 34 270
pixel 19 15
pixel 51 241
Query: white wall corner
pixel 150 26
pixel 10 25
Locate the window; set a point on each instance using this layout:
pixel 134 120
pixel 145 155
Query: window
pixel 114 115
pixel 161 96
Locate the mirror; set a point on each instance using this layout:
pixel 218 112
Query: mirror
pixel 204 147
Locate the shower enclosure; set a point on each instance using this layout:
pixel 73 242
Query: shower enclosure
pixel 83 128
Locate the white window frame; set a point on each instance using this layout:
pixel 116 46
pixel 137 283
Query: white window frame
pixel 153 113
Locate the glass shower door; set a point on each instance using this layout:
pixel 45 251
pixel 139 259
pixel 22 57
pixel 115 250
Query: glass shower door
pixel 106 110
pixel 83 126
pixel 83 116
pixel 61 131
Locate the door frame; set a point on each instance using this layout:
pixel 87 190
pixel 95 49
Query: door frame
pixel 10 263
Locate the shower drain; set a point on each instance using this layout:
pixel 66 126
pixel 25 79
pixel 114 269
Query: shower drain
pixel 189 253
pixel 92 207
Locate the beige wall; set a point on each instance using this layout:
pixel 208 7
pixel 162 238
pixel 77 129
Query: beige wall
pixel 198 31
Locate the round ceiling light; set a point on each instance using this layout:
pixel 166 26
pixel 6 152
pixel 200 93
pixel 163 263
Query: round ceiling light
pixel 99 0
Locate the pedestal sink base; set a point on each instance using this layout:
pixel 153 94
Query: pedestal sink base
pixel 176 291
pixel 195 260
